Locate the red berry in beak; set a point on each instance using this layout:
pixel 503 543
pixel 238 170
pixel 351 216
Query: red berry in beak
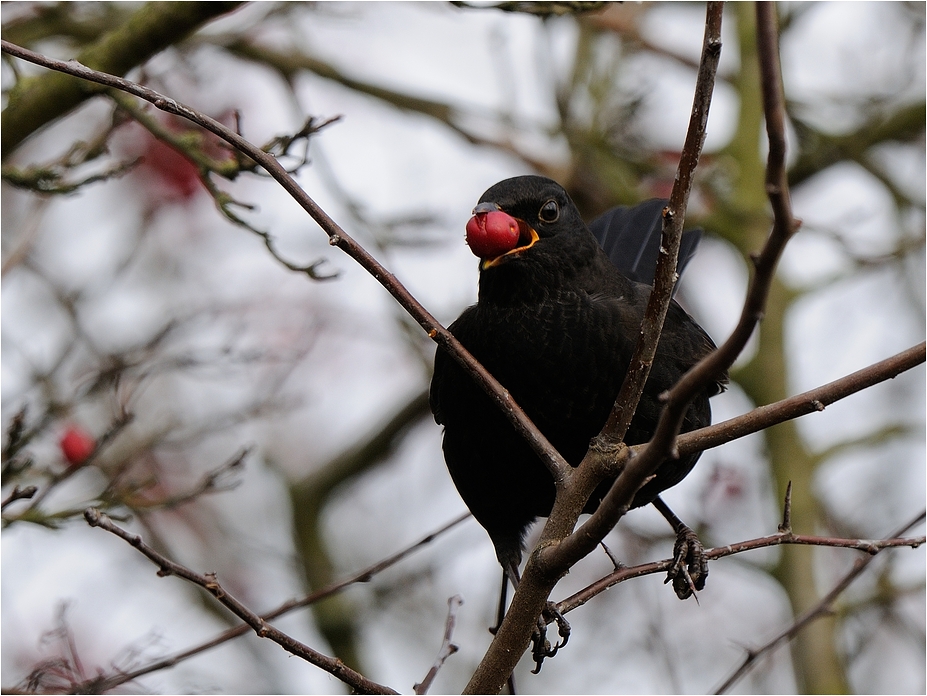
pixel 76 445
pixel 492 234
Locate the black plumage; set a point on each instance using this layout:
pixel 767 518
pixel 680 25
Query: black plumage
pixel 631 239
pixel 556 323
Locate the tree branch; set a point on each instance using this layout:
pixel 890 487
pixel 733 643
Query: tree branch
pixel 663 443
pixel 32 512
pixel 708 437
pixel 337 237
pixel 906 124
pixel 103 684
pixel 811 401
pixel 620 575
pixel 560 546
pixel 35 102
pixel 264 630
pixel 674 214
pixel 18 494
pixel 820 609
pixel 447 647
pixel 584 540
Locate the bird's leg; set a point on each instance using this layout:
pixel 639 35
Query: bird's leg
pixel 509 574
pixel 690 567
pixel 500 613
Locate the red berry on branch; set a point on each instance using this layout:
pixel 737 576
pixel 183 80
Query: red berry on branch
pixel 179 176
pixel 76 445
pixel 492 234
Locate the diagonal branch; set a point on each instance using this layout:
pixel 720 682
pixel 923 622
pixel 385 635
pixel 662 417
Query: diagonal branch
pixel 337 237
pixel 103 684
pixel 663 443
pixel 665 277
pixel 812 401
pixel 263 629
pixel 584 540
pixel 37 101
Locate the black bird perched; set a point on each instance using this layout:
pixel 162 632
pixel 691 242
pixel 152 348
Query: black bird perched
pixel 556 323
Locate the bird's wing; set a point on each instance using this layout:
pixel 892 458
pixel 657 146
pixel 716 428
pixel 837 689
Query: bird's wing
pixel 444 382
pixel 631 238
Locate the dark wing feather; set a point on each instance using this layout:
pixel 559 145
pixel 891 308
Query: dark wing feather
pixel 631 238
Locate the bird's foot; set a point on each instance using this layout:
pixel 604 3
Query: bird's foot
pixel 540 646
pixel 690 567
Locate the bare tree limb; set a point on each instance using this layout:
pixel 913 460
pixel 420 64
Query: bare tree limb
pixel 663 443
pixel 32 512
pixel 19 494
pixel 619 575
pixel 103 684
pixel 290 62
pixel 765 262
pixel 337 237
pixel 639 468
pixel 209 583
pixel 665 277
pixel 904 124
pixel 560 546
pixel 812 401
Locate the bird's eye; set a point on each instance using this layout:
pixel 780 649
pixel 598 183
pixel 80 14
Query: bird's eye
pixel 550 211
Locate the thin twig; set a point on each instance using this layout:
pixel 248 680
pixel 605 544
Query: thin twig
pixel 122 422
pixel 786 526
pixel 820 609
pixel 218 480
pixel 665 276
pixel 333 666
pixel 18 494
pixel 447 647
pixel 649 456
pixel 624 573
pixel 664 441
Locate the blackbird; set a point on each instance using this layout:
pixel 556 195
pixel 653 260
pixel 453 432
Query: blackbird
pixel 556 322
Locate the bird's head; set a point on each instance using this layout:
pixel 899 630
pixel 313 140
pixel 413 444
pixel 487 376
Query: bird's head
pixel 516 214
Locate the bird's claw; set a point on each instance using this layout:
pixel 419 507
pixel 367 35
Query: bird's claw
pixel 690 567
pixel 541 647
